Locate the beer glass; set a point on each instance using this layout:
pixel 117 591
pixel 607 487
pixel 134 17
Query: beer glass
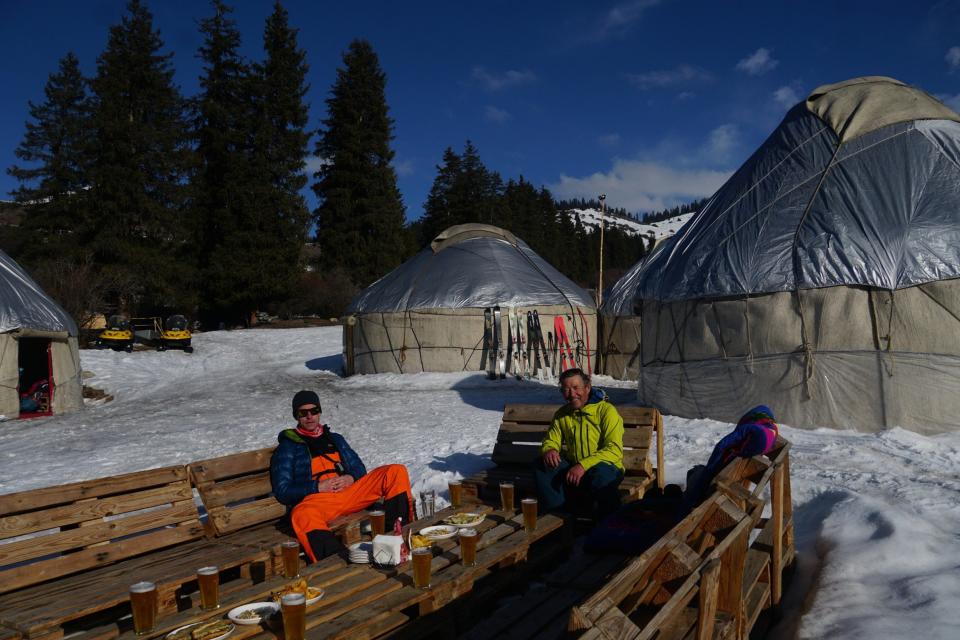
pixel 468 546
pixel 291 558
pixel 456 493
pixel 377 523
pixel 422 557
pixel 293 607
pixel 143 604
pixel 209 580
pixel 506 496
pixel 529 506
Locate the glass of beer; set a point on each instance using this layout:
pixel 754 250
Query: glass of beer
pixel 506 495
pixel 529 506
pixel 209 580
pixel 456 493
pixel 143 604
pixel 468 547
pixel 293 607
pixel 377 523
pixel 422 557
pixel 291 558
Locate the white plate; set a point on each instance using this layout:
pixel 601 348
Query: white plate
pixel 197 624
pixel 477 519
pixel 314 599
pixel 439 532
pixel 235 613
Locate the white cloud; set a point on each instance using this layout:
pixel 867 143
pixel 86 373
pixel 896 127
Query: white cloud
pixel 403 167
pixel 495 115
pixel 685 95
pixel 683 74
pixel 493 81
pixel 639 185
pixel 618 20
pixel 951 101
pixel 314 163
pixel 609 140
pixel 953 58
pixel 720 144
pixel 758 62
pixel 786 97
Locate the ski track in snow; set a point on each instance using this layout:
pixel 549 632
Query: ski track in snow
pixel 876 515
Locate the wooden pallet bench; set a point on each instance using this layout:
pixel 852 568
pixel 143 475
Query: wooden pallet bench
pixel 70 552
pixel 713 575
pixel 241 510
pixel 518 447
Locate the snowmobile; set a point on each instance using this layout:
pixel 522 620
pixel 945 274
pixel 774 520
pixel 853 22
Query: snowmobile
pixel 175 335
pixel 118 335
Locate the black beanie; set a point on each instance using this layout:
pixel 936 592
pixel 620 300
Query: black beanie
pixel 301 398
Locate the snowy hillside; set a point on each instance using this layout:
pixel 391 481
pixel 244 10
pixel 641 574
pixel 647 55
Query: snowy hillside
pixel 876 515
pixel 662 229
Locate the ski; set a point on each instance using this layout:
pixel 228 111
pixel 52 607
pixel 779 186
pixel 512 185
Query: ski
pixel 498 328
pixel 566 351
pixel 534 361
pixel 586 333
pixel 521 371
pixel 513 355
pixel 543 345
pixel 489 347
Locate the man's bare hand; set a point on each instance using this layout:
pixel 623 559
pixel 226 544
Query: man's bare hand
pixel 551 459
pixel 327 486
pixel 575 474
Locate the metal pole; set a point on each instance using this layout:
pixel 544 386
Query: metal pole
pixel 603 211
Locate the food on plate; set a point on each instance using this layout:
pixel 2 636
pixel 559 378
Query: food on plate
pixel 212 629
pixel 463 518
pixel 417 541
pixel 255 614
pixel 300 586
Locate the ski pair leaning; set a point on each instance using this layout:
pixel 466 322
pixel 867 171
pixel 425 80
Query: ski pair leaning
pixel 521 344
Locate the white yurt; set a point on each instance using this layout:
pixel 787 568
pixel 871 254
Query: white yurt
pixel 428 313
pixel 39 355
pixel 822 278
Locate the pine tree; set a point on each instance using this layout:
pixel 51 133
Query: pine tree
pixel 57 144
pixel 142 159
pixel 360 218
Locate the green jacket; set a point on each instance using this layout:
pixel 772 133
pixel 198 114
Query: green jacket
pixel 591 435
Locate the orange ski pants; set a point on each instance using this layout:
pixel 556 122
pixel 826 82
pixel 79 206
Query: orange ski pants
pixel 318 509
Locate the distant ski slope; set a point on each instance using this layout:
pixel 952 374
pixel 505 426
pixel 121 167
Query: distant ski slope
pixel 661 229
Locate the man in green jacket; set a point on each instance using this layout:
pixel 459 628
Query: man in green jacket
pixel 583 448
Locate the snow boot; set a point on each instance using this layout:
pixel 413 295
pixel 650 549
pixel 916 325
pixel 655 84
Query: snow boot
pixel 396 507
pixel 324 543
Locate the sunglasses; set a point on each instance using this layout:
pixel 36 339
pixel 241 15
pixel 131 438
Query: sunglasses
pixel 303 413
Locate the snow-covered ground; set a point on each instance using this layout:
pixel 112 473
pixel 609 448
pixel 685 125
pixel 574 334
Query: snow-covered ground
pixel 877 516
pixel 661 229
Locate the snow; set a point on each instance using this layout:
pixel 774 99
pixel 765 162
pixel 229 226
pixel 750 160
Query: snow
pixel 657 230
pixel 876 515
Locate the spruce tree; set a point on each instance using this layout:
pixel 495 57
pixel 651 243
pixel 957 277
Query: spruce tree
pixel 56 147
pixel 142 158
pixel 360 217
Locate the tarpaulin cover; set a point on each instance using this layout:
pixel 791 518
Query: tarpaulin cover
pixel 806 211
pixel 24 305
pixel 475 272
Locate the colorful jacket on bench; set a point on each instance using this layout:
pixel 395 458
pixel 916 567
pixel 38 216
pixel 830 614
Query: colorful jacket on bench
pixel 591 435
pixel 291 473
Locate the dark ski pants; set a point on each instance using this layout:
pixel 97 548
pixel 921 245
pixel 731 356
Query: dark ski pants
pixel 601 482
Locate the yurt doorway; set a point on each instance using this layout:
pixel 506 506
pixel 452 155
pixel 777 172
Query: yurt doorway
pixel 36 377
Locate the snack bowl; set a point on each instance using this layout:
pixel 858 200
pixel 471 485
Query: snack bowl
pixel 253 613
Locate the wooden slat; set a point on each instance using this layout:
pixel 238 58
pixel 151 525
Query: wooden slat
pixel 73 538
pixel 523 433
pixel 637 437
pixel 227 520
pixel 709 587
pixel 96 556
pixel 531 413
pixel 234 490
pixel 64 494
pixel 232 465
pixel 514 454
pixel 95 509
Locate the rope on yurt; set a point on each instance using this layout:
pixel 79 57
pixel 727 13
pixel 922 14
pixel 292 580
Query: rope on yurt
pixel 472 351
pixel 746 319
pixel 393 352
pixel 716 317
pixel 408 314
pixel 805 341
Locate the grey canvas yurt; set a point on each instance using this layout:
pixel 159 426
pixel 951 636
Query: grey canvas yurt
pixel 822 278
pixel 39 357
pixel 428 313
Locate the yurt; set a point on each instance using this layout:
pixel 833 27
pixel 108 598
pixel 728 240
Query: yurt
pixel 822 278
pixel 39 357
pixel 428 314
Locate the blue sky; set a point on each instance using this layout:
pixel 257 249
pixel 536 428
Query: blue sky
pixel 653 102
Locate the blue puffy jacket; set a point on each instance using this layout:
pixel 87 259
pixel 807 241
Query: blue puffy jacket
pixel 290 467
